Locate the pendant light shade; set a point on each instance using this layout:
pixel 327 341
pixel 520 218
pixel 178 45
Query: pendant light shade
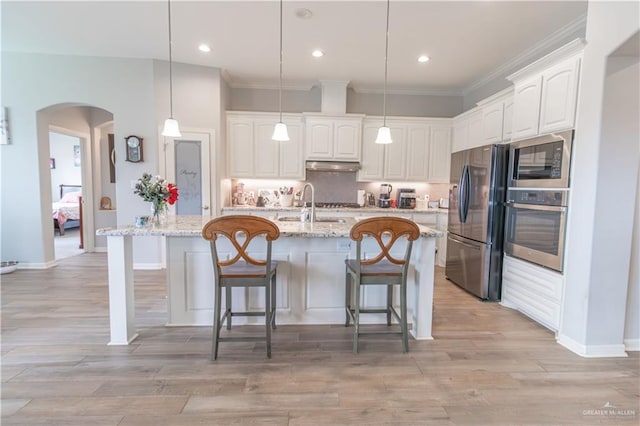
pixel 171 127
pixel 280 132
pixel 384 134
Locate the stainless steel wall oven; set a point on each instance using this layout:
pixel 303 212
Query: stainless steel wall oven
pixel 535 225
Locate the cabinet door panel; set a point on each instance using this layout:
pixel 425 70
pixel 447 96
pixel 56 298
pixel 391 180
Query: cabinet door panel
pixel 319 139
pixel 347 140
pixel 291 153
pixel 559 91
pixel 508 120
pixel 492 123
pixel 418 138
pixel 372 165
pixel 439 154
pixel 396 155
pixel 240 137
pixel 475 130
pixel 526 108
pixel 266 151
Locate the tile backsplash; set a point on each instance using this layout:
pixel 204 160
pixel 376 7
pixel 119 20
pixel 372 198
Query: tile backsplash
pixel 338 187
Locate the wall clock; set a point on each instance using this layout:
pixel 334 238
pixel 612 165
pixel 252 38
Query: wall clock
pixel 134 148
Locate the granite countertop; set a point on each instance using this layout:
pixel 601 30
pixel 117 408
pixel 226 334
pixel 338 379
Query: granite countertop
pixel 333 210
pixel 191 226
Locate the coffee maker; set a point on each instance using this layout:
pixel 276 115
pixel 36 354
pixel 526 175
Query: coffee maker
pixel 406 198
pixel 384 200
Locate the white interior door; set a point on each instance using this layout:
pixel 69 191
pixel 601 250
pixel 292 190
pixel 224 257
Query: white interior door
pixel 187 165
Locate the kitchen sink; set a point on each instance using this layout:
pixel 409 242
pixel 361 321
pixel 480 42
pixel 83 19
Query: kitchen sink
pixel 319 219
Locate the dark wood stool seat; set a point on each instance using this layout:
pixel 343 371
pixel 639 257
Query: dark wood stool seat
pixel 383 269
pixel 242 270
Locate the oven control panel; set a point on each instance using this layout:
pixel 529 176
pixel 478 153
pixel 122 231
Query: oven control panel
pixel 543 197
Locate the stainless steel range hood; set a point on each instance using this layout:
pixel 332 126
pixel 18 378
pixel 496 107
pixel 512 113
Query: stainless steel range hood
pixel 333 166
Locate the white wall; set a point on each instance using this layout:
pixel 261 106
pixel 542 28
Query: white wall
pixel 632 323
pixel 597 265
pixel 125 87
pixel 65 172
pixel 404 105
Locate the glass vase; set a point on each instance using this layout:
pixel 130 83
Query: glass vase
pixel 158 212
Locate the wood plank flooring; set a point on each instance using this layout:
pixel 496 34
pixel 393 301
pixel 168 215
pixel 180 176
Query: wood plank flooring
pixel 487 365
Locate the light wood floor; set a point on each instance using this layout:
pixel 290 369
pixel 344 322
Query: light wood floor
pixel 486 365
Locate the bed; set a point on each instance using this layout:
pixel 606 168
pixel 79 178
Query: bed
pixel 67 213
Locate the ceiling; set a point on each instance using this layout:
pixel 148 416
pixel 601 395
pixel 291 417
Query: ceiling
pixel 466 41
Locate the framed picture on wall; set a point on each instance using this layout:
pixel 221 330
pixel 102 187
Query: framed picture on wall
pixel 52 163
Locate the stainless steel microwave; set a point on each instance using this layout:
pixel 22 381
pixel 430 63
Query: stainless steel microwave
pixel 541 162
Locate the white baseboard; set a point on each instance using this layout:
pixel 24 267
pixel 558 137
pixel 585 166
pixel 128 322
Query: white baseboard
pixel 592 351
pixel 45 265
pixel 632 344
pixel 147 266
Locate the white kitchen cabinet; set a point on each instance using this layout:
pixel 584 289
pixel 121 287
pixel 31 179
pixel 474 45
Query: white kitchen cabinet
pixel 240 140
pixel 333 138
pixel 372 164
pixel 395 154
pixel 545 92
pixel 492 122
pixel 460 135
pixel 475 130
pixel 559 96
pixel 532 290
pixel 439 155
pixel 508 120
pixel 292 152
pixel 418 156
pixel 252 152
pixel 526 107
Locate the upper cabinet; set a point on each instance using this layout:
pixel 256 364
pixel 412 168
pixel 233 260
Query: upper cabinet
pixel 545 93
pixel 333 137
pixel 252 152
pixel 419 153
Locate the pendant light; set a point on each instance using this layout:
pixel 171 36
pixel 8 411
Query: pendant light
pixel 384 133
pixel 171 127
pixel 280 132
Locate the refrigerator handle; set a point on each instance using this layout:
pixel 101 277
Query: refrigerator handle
pixel 463 198
pixel 460 199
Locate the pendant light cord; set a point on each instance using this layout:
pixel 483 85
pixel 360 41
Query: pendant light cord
pixel 386 54
pixel 170 64
pixel 281 61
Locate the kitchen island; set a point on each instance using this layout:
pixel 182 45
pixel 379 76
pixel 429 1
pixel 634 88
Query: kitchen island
pixel 310 281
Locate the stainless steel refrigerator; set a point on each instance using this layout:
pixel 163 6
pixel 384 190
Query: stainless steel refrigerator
pixel 476 215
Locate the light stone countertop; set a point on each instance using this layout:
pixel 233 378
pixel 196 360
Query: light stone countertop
pixel 191 226
pixel 364 210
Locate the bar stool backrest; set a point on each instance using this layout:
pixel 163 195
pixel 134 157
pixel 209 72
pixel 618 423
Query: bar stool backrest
pixel 378 227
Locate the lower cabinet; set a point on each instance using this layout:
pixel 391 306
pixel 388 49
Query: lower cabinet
pixel 533 290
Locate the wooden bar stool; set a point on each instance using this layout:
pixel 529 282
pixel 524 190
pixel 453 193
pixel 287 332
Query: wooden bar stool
pixel 242 271
pixel 383 269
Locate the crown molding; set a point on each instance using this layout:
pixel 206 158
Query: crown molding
pixel 302 86
pixel 422 91
pixel 569 49
pixel 528 55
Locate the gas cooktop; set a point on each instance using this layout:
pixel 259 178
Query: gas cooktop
pixel 335 205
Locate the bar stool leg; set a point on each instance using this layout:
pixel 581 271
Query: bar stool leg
pixel 403 313
pixel 273 301
pixel 347 297
pixel 356 317
pixel 227 293
pixel 389 302
pixel 267 316
pixel 216 321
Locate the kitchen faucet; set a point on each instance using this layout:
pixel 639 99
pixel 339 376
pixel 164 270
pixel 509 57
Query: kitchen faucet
pixel 313 200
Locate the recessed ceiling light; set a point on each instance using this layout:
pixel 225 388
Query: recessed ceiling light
pixel 317 53
pixel 204 48
pixel 423 59
pixel 303 13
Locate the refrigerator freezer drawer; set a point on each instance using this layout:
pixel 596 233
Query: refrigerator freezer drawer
pixel 468 265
